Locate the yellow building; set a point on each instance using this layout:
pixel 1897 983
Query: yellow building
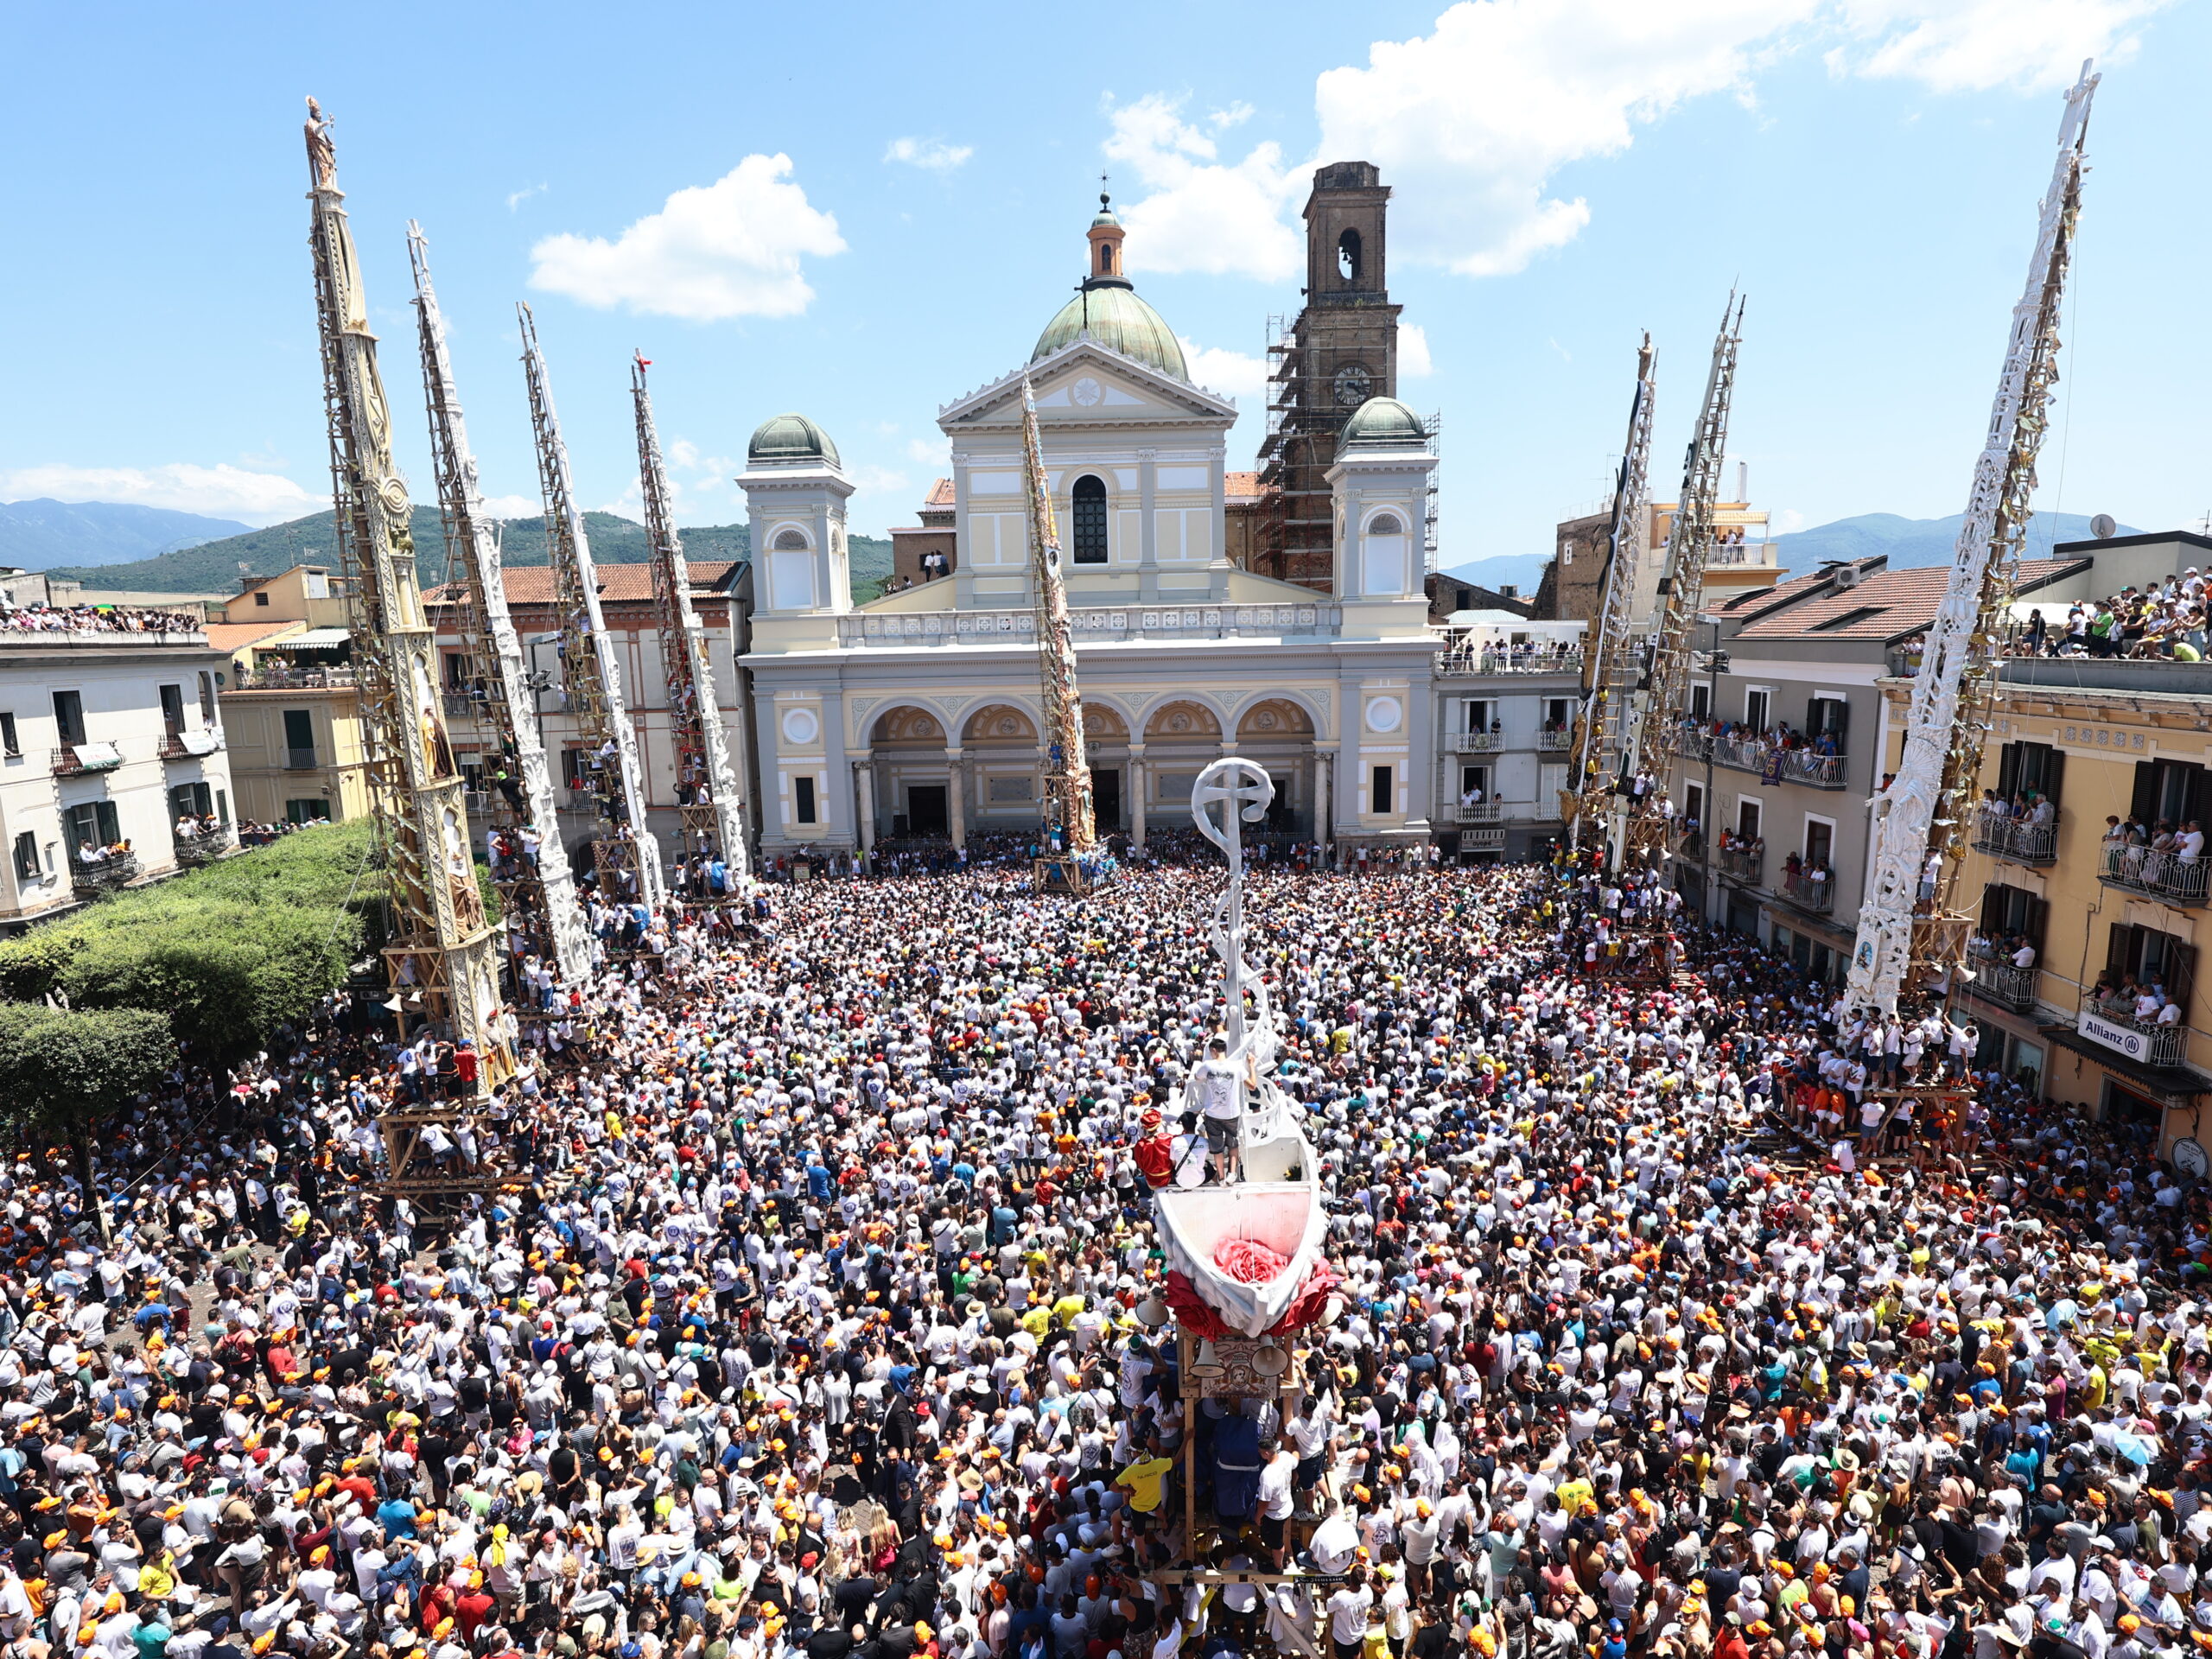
pixel 2102 743
pixel 289 703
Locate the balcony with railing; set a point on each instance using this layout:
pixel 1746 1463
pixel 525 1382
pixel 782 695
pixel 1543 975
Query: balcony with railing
pixel 296 679
pixel 76 759
pixel 1476 742
pixel 2003 984
pixel 1745 864
pixel 302 760
pixel 205 847
pixel 181 745
pixel 2016 839
pixel 1812 890
pixel 1783 765
pixel 2158 875
pixel 93 876
pixel 1505 659
pixel 2144 1041
pixel 1481 812
pixel 1554 741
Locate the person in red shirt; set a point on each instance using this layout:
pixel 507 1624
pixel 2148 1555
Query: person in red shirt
pixel 1154 1154
pixel 472 1606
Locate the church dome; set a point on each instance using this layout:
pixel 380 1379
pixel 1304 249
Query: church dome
pixel 1117 319
pixel 1384 421
pixel 791 437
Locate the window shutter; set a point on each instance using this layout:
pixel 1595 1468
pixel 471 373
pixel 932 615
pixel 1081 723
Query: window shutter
pixel 2008 770
pixel 1992 910
pixel 2053 773
pixel 2197 801
pixel 2181 975
pixel 2120 949
pixel 2143 804
pixel 2038 911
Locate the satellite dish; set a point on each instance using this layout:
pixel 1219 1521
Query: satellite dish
pixel 2103 526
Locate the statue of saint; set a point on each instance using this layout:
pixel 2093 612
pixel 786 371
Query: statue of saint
pixel 321 153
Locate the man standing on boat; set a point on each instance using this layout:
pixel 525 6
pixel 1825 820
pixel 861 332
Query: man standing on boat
pixel 1216 1091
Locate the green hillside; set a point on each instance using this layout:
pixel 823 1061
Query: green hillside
pixel 215 567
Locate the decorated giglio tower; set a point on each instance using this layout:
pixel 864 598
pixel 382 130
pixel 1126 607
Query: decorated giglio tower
pixel 1068 818
pixel 1611 658
pixel 536 892
pixel 711 815
pixel 625 858
pixel 441 955
pixel 1912 938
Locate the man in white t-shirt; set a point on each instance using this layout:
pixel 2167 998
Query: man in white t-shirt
pixel 1214 1091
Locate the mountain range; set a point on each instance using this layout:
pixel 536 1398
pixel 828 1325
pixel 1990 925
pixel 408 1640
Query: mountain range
pixel 1910 543
pixel 40 534
pixel 214 567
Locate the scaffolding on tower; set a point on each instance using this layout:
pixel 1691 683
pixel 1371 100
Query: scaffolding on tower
pixel 1068 862
pixel 709 809
pixel 1613 655
pixel 440 957
pixel 626 859
pixel 1911 940
pixel 538 897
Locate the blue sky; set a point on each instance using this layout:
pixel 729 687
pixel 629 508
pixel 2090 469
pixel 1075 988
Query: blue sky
pixel 862 213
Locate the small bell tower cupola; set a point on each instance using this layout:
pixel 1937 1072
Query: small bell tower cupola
pixel 1105 268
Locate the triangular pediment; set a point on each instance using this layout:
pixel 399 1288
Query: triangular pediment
pixel 1087 384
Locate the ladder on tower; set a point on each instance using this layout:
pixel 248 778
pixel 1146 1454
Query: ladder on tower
pixel 625 861
pixel 538 897
pixel 440 956
pixel 1912 938
pixel 710 809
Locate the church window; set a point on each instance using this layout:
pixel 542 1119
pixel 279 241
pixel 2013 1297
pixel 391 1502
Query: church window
pixel 1348 256
pixel 1090 519
pixel 1105 259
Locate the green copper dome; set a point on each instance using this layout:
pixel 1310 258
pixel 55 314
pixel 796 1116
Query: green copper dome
pixel 791 437
pixel 1119 320
pixel 1384 420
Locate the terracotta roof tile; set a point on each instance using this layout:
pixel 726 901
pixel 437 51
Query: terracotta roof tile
pixel 532 584
pixel 940 495
pixel 237 636
pixel 1885 605
pixel 1240 487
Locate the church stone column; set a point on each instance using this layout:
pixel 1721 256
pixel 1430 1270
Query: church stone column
pixel 864 804
pixel 957 796
pixel 1149 526
pixel 1137 795
pixel 1325 805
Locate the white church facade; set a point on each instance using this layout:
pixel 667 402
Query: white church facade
pixel 917 714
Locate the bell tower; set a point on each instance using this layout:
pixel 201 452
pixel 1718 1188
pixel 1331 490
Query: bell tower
pixel 1342 351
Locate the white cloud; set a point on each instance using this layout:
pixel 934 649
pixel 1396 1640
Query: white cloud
pixel 516 198
pixel 1785 521
pixel 1958 45
pixel 1413 360
pixel 1202 215
pixel 730 248
pixel 933 154
pixel 1472 123
pixel 934 451
pixel 1230 371
pixel 222 491
pixel 514 506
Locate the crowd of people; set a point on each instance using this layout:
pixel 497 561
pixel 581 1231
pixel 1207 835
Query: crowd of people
pixel 810 1320
pixel 2165 619
pixel 97 618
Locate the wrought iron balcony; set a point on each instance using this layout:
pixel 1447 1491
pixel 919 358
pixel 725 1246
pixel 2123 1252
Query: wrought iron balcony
pixel 1745 864
pixel 2158 875
pixel 1505 661
pixel 302 760
pixel 2001 983
pixel 2015 838
pixel 1554 740
pixel 1782 766
pixel 192 851
pixel 1476 742
pixel 1482 812
pixel 102 875
pixel 1806 893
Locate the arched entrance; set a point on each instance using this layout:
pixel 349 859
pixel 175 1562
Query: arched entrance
pixel 1106 740
pixel 1000 756
pixel 1279 735
pixel 914 796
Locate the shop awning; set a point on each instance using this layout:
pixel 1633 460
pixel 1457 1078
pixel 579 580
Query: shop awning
pixel 313 639
pixel 2166 1080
